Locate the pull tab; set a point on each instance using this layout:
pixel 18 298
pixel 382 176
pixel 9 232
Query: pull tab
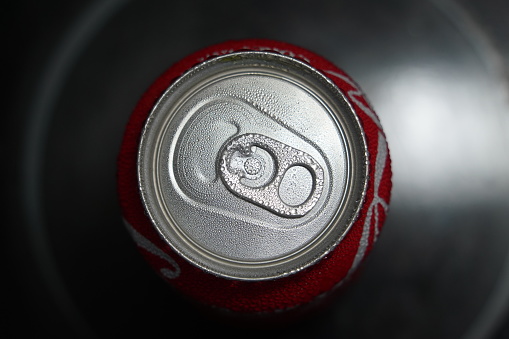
pixel 254 167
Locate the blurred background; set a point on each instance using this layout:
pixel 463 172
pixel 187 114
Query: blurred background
pixel 435 71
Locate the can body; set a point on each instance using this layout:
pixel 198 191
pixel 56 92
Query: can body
pixel 248 282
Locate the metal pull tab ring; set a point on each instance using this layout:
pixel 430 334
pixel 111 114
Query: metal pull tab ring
pixel 257 178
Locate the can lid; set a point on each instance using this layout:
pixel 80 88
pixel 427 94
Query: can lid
pixel 252 165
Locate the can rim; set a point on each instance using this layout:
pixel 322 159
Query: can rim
pixel 328 239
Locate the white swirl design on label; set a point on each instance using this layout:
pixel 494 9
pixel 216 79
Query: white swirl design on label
pixel 148 246
pixel 354 96
pixel 380 164
pixel 381 160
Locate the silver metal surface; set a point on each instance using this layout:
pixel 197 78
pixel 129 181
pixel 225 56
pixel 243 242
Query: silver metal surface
pixel 252 165
pixel 288 191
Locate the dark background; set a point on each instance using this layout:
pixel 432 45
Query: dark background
pixel 435 71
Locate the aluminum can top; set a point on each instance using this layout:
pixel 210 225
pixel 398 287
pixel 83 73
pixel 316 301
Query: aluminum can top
pixel 252 165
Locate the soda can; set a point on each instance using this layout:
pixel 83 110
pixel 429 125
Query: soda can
pixel 254 176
